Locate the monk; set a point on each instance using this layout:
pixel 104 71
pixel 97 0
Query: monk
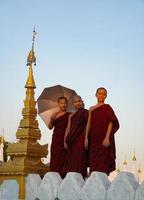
pixel 101 126
pixel 59 121
pixel 76 158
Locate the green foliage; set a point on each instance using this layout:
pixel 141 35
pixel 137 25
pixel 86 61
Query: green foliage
pixel 5 151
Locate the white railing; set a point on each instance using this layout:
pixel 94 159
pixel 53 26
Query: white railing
pixel 73 187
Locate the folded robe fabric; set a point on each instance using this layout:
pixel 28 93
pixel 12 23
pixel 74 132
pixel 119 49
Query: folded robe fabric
pixel 78 125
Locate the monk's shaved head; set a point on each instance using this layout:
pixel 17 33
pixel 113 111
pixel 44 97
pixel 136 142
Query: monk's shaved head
pixel 77 102
pixel 62 98
pixel 76 97
pixel 101 88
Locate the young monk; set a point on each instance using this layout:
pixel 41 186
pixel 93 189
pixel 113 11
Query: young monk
pixel 76 157
pixel 59 121
pixel 102 124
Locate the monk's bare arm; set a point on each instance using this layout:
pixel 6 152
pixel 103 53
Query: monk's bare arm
pixel 68 127
pixel 50 126
pixel 109 130
pixel 106 141
pixel 53 117
pixel 87 129
pixel 67 131
pixel 88 125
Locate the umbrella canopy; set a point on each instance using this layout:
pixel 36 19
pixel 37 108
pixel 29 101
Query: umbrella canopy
pixel 48 101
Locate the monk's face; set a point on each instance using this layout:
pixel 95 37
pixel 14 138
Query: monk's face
pixel 78 103
pixel 62 104
pixel 101 95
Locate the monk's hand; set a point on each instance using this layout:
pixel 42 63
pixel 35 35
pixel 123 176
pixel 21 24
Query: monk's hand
pixel 106 142
pixel 86 143
pixel 65 145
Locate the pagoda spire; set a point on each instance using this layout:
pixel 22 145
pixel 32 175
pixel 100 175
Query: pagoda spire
pixel 125 163
pixel 139 174
pixel 31 59
pixel 26 154
pixel 134 156
pixel 134 164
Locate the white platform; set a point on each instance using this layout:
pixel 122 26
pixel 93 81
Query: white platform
pixel 95 187
pixel 123 187
pixel 71 186
pixel 49 186
pixel 9 190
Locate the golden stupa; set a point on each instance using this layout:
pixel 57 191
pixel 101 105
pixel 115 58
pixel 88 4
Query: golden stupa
pixel 134 157
pixel 26 154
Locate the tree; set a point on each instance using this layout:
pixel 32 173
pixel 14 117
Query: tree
pixel 5 151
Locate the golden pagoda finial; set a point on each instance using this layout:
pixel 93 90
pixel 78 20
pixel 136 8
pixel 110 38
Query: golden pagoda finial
pixel 139 173
pixel 31 57
pixel 125 161
pixel 139 169
pixel 134 156
pixel 30 60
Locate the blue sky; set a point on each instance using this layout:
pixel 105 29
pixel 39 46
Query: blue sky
pixel 80 44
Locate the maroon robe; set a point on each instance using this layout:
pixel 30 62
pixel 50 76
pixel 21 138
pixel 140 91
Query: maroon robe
pixel 77 158
pixel 102 158
pixel 58 151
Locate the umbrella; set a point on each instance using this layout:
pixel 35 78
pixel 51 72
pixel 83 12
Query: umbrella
pixel 47 101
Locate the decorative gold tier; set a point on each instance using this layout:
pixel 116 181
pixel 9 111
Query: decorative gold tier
pixel 27 148
pixel 28 133
pixel 23 166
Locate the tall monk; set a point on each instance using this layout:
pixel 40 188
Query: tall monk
pixel 76 157
pixel 59 121
pixel 102 125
